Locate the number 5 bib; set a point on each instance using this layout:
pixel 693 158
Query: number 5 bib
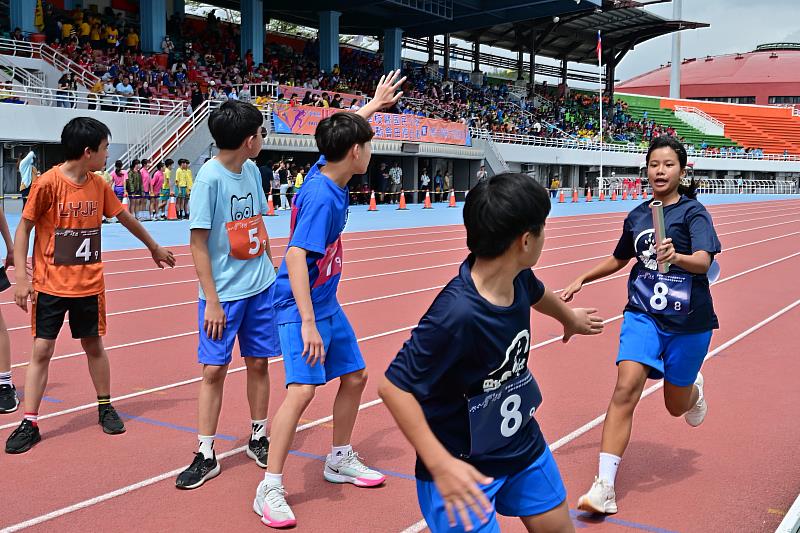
pixel 248 237
pixel 496 416
pixel 666 294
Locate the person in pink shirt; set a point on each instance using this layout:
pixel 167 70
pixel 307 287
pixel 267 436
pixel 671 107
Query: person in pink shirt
pixel 156 182
pixel 119 177
pixel 145 200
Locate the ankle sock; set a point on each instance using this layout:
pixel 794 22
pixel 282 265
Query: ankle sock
pixel 33 417
pixel 608 467
pixel 5 378
pixel 258 429
pixel 340 452
pixel 273 480
pixel 206 445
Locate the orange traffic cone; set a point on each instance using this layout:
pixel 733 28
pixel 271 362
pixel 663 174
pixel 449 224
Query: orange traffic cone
pixel 588 195
pixel 644 194
pixel 602 197
pixel 373 205
pixel 574 196
pixel 614 195
pixel 635 194
pixel 427 204
pixel 126 202
pixel 172 212
pixel 452 202
pixel 561 197
pixel 624 194
pixel 402 206
pixel 270 207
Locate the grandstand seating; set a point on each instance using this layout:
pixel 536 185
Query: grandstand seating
pixel 637 106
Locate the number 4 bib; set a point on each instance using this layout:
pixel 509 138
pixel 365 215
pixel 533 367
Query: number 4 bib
pixel 666 294
pixel 76 246
pixel 496 416
pixel 248 237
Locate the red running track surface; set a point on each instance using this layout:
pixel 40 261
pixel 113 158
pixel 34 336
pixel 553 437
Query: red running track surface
pixel 739 471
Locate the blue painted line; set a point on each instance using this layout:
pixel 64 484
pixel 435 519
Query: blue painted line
pixel 168 425
pixel 51 399
pixel 322 458
pixel 587 519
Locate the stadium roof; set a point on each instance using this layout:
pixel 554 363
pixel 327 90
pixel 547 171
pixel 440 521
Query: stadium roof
pixel 418 18
pixel 623 24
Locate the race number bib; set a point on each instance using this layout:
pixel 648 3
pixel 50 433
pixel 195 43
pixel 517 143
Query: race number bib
pixel 496 416
pixel 248 237
pixel 665 294
pixel 79 246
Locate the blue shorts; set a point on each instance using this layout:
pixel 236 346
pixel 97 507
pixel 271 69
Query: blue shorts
pixel 342 355
pixel 534 490
pixel 676 357
pixel 252 320
pixel 182 192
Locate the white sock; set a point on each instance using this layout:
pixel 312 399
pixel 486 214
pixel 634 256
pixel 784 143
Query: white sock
pixel 339 452
pixel 5 378
pixel 206 445
pixel 608 467
pixel 258 429
pixel 273 480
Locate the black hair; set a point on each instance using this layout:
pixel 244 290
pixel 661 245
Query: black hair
pixel 169 162
pixel 233 122
pixel 81 133
pixel 118 164
pixel 145 162
pixel 160 165
pixel 338 133
pixel 665 141
pixel 500 209
pixel 134 162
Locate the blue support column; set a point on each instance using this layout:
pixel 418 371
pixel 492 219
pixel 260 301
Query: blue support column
pixel 392 48
pixel 179 7
pixel 153 17
pixel 328 40
pixel 69 5
pixel 22 15
pixel 253 29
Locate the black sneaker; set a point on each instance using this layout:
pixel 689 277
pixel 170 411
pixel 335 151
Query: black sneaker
pixel 23 438
pixel 200 471
pixel 8 399
pixel 110 421
pixel 258 450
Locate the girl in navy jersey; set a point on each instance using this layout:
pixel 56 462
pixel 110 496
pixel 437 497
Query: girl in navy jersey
pixel 669 317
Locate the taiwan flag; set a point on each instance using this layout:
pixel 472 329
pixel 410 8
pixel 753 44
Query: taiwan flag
pixel 599 48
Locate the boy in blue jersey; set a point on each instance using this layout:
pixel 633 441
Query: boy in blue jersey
pixel 669 318
pixel 318 343
pixel 460 388
pixel 230 248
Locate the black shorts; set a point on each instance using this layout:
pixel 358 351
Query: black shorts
pixel 87 315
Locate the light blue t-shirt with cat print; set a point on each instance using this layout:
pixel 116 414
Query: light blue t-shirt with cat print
pixel 230 206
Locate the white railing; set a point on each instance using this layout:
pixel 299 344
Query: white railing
pixel 578 144
pixel 45 96
pixel 484 135
pixel 61 62
pixel 22 75
pixel 701 113
pixel 178 135
pixel 704 186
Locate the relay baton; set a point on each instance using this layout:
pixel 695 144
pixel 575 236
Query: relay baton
pixel 657 208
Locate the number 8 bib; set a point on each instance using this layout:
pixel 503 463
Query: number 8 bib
pixel 498 415
pixel 666 294
pixel 248 237
pixel 76 246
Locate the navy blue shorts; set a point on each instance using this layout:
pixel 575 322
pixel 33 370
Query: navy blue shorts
pixel 532 491
pixel 252 320
pixel 676 357
pixel 342 354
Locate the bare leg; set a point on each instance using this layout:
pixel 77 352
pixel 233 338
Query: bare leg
pixel 209 402
pixel 631 378
pixel 678 400
pixel 257 386
pixel 36 375
pixel 555 520
pixel 345 407
pixel 99 368
pixel 284 425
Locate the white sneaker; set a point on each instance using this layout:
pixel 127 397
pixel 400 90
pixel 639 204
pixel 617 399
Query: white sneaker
pixel 270 504
pixel 600 498
pixel 350 469
pixel 695 416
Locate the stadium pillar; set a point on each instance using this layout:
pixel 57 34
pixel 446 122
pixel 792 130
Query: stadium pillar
pixel 611 69
pixel 179 7
pixel 328 40
pixel 252 37
pixel 153 18
pixel 675 70
pixel 431 50
pixel 476 78
pixel 446 59
pixel 520 64
pixel 21 13
pixel 392 48
pixel 72 4
pixel 532 64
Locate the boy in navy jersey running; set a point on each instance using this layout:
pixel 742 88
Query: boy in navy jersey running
pixel 669 318
pixel 460 388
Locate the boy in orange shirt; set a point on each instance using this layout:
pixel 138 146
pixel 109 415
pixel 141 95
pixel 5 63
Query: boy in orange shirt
pixel 66 205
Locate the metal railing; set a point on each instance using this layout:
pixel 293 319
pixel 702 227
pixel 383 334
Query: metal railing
pixel 484 135
pixel 700 113
pixel 155 136
pixel 704 186
pixel 61 62
pixel 579 144
pixel 45 96
pixel 21 75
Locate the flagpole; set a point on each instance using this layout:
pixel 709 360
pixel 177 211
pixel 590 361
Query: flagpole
pixel 600 82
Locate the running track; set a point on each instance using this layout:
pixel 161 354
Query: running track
pixel 738 472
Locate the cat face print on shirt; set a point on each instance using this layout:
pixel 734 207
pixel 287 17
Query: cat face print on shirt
pixel 241 208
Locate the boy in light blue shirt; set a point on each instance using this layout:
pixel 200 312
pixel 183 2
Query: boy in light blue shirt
pixel 231 253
